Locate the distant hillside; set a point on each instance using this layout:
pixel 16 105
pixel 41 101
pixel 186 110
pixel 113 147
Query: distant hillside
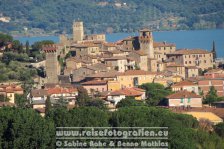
pixel 56 16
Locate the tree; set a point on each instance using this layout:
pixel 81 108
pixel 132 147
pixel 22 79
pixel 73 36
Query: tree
pixel 155 93
pixel 83 96
pixel 219 129
pixel 37 46
pixel 48 105
pixel 61 102
pixel 4 39
pixel 21 101
pixel 99 103
pixel 214 51
pixel 25 129
pixel 27 48
pixel 211 96
pixel 129 101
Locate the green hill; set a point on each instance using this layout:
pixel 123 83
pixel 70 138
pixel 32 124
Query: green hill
pixel 56 16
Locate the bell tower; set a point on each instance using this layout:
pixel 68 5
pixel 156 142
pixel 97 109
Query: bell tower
pixel 146 42
pixel 78 31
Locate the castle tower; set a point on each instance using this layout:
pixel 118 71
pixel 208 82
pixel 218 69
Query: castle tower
pixel 78 31
pixel 52 65
pixel 146 42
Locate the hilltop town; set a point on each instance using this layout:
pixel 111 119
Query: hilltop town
pixel 86 71
pixel 112 72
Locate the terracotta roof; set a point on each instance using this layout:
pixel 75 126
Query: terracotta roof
pixel 60 90
pixel 215 71
pixel 175 65
pixel 163 44
pixel 109 74
pixel 128 92
pixel 10 88
pixel 63 85
pixel 38 93
pixel 95 82
pixel 183 94
pixel 140 52
pixel 115 58
pixel 115 52
pixel 109 44
pixel 184 83
pixel 189 51
pixel 191 67
pixel 137 72
pixel 85 45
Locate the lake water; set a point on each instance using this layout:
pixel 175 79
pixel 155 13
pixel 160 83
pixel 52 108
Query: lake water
pixel 183 39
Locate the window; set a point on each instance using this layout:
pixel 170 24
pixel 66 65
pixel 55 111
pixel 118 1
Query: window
pixel 182 100
pixel 189 62
pixel 189 100
pixel 185 62
pixel 204 61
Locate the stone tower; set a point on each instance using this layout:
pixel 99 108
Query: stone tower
pixel 78 31
pixel 146 42
pixel 52 65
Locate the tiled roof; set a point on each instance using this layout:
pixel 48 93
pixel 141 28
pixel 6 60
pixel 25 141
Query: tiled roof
pixel 38 93
pixel 189 51
pixel 140 52
pixel 215 71
pixel 115 58
pixel 128 92
pixel 137 72
pixel 115 52
pixel 60 90
pixel 95 82
pixel 183 94
pixel 191 67
pixel 184 83
pixel 175 65
pixel 109 74
pixel 109 44
pixel 163 44
pixel 86 45
pixel 10 88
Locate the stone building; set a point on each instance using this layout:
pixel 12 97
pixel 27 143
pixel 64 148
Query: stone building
pixel 163 48
pixel 53 68
pixel 196 57
pixel 78 31
pixel 140 57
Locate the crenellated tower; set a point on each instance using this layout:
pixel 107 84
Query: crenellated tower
pixel 146 42
pixel 52 64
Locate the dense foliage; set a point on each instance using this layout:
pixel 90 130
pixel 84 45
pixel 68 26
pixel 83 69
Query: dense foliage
pixel 23 128
pixel 57 16
pixel 156 93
